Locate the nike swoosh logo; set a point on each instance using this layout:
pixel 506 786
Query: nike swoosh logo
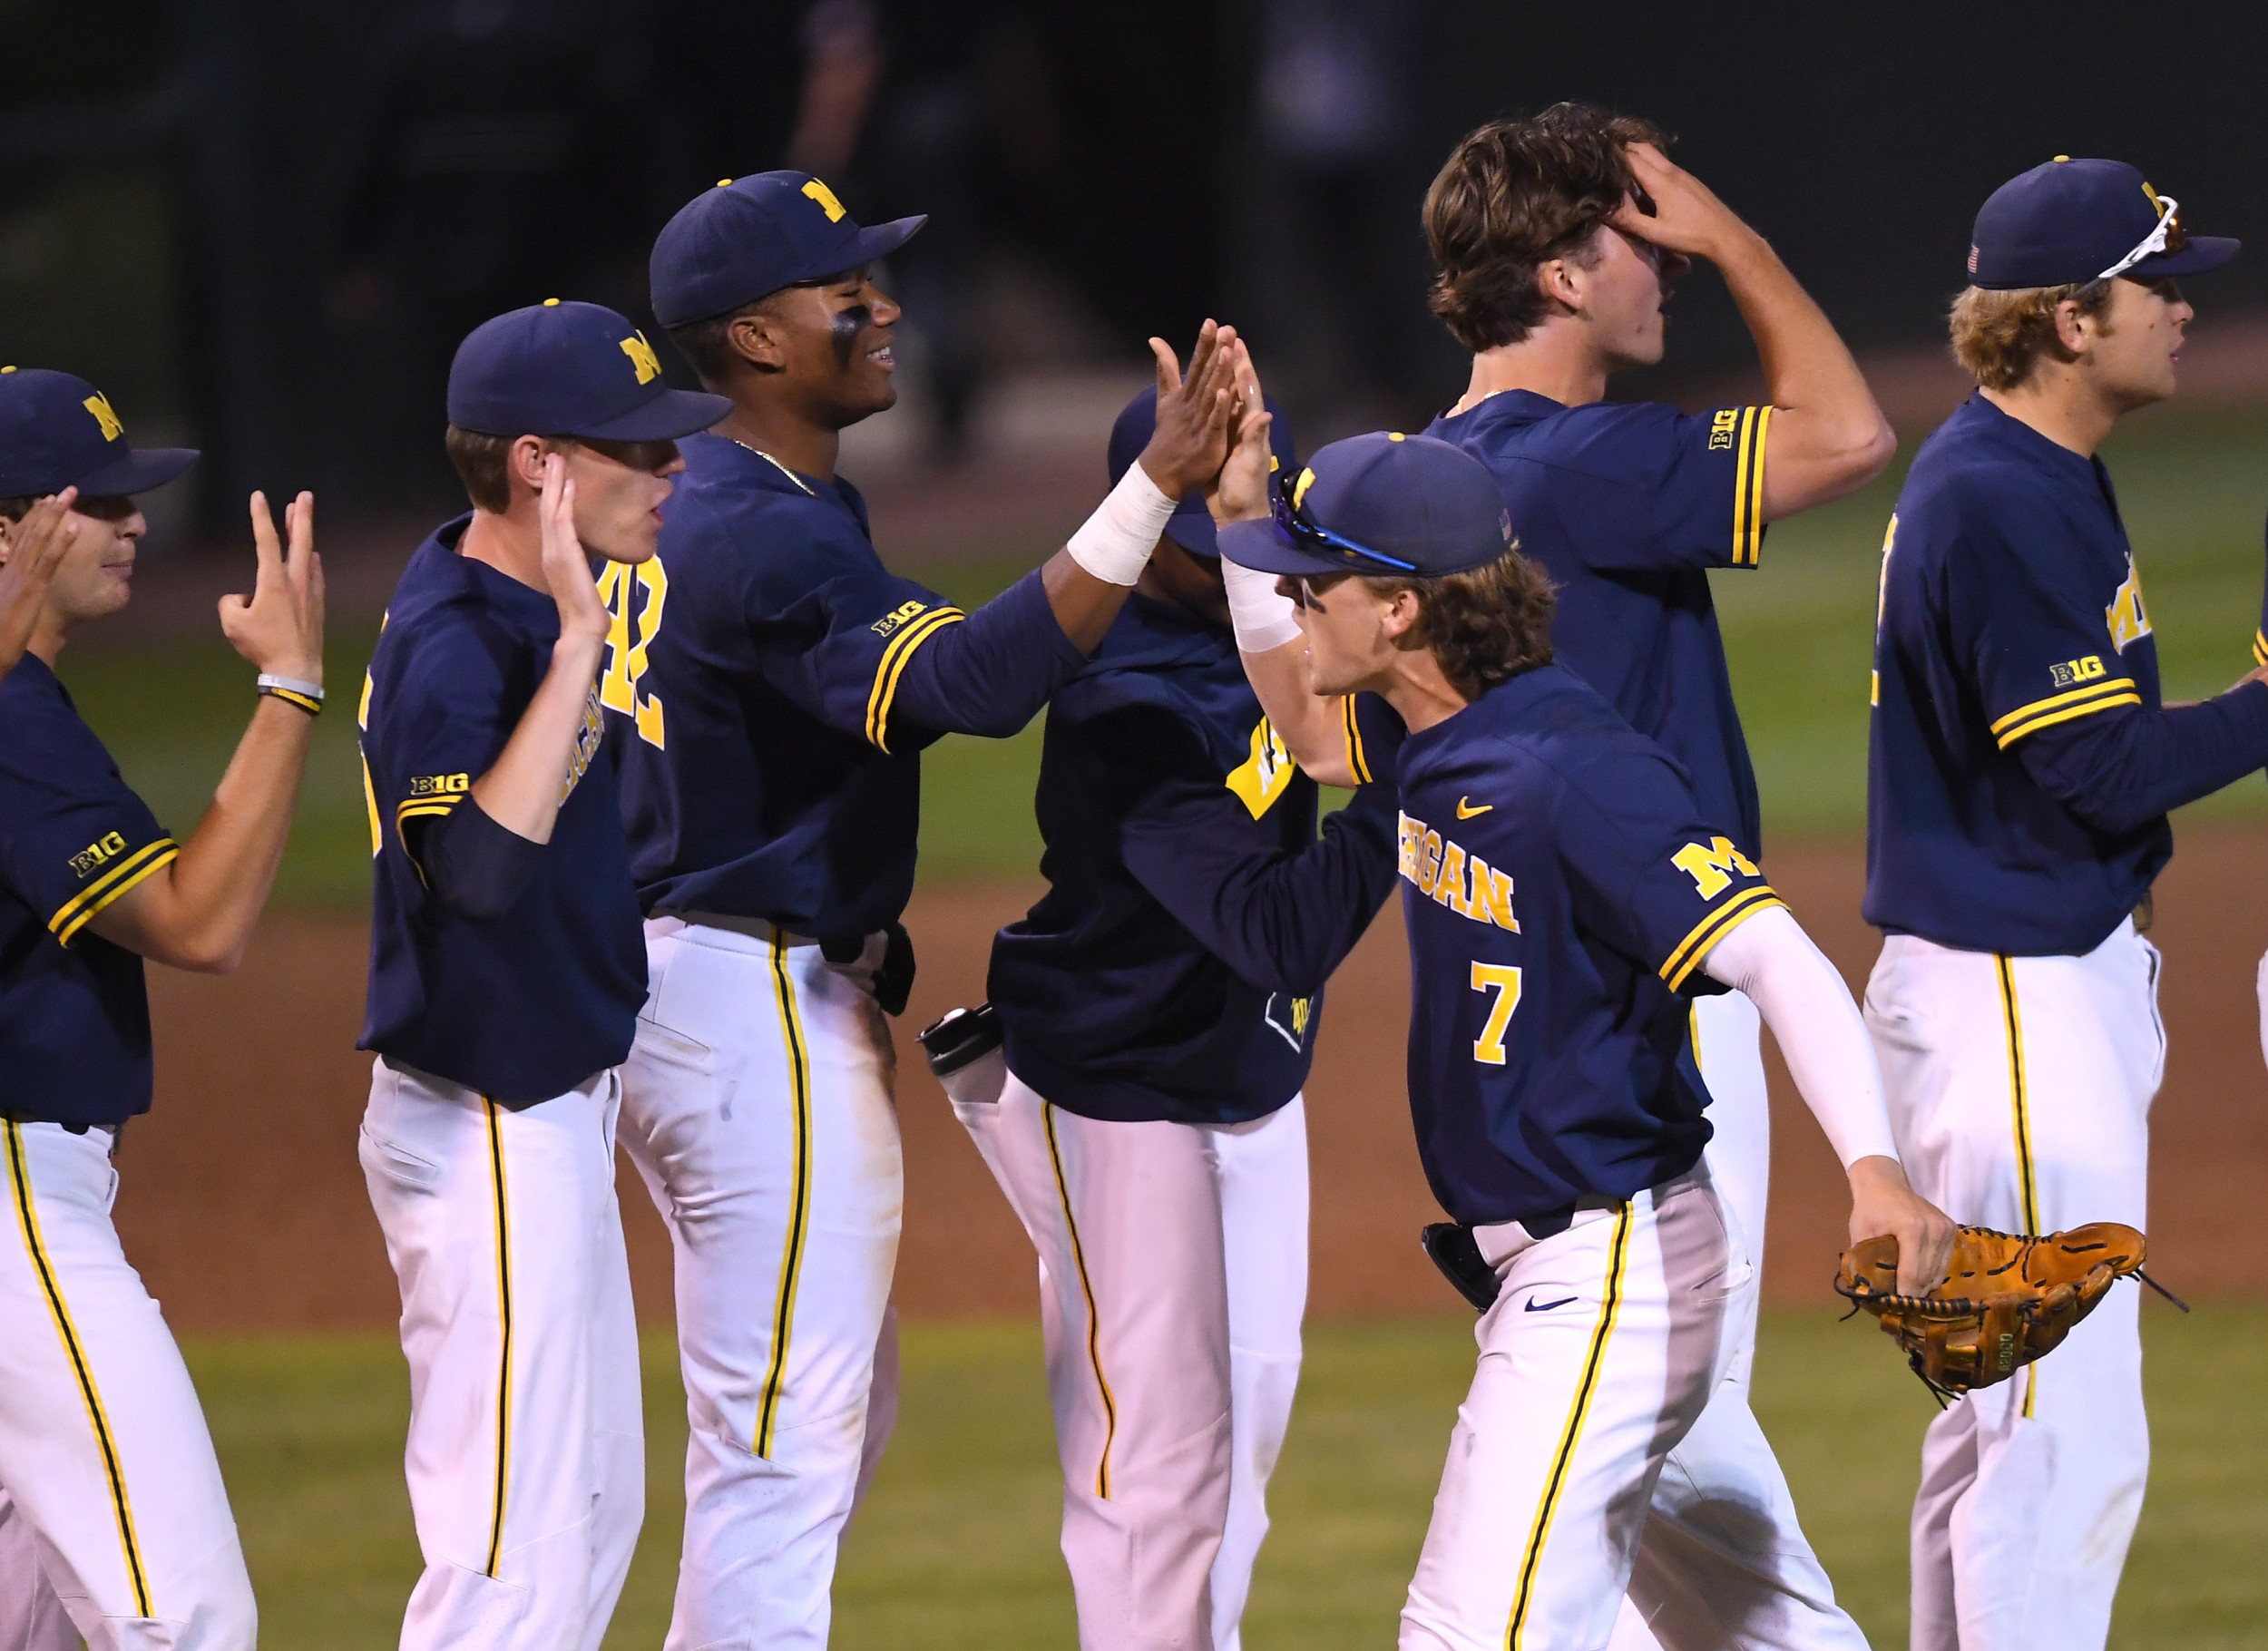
pixel 1464 812
pixel 1535 1307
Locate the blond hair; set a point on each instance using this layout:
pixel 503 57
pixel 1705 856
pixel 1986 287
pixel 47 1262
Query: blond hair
pixel 2000 336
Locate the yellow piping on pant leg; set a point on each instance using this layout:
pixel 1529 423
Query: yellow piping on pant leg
pixel 1094 1320
pixel 799 1199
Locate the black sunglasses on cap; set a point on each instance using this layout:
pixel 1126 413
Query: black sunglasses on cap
pixel 1315 538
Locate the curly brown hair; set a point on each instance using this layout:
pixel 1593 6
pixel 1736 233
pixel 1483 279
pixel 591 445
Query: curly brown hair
pixel 1485 625
pixel 2000 336
pixel 1513 196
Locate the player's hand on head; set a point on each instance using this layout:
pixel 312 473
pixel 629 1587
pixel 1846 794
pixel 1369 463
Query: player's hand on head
pixel 279 627
pixel 1883 1204
pixel 1240 491
pixel 1196 413
pixel 582 617
pixel 1687 218
pixel 35 545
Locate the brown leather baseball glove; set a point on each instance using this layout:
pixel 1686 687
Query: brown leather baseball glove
pixel 2008 1298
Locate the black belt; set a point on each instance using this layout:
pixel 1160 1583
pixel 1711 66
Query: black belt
pixel 68 1129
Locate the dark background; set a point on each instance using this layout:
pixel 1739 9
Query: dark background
pixel 261 226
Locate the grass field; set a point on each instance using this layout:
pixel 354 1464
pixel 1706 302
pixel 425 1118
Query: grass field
pixel 956 1551
pixel 1798 632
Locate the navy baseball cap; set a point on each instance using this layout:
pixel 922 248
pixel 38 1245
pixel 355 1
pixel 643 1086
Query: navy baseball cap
pixel 1380 504
pixel 1191 525
pixel 57 432
pixel 749 237
pixel 570 369
pixel 2071 221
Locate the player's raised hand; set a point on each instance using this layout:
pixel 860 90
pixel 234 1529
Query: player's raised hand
pixel 1239 492
pixel 1687 218
pixel 279 627
pixel 582 617
pixel 1195 412
pixel 1881 1202
pixel 35 545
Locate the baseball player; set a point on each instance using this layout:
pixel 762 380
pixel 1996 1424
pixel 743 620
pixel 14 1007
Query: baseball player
pixel 771 686
pixel 507 968
pixel 2020 770
pixel 1568 897
pixel 114 1525
pixel 1557 240
pixel 1159 1007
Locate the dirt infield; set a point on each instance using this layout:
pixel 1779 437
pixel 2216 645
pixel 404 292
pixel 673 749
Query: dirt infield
pixel 243 1205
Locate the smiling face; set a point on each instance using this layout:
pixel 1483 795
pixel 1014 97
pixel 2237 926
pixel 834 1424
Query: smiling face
pixel 93 580
pixel 619 490
pixel 2135 352
pixel 824 348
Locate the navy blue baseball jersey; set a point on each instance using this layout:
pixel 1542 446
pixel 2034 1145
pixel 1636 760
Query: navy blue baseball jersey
pixel 1626 506
pixel 772 685
pixel 526 1003
pixel 74 1017
pixel 2011 612
pixel 1562 886
pixel 1175 968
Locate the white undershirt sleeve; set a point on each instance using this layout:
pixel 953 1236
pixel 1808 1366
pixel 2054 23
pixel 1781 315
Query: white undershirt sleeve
pixel 1816 1025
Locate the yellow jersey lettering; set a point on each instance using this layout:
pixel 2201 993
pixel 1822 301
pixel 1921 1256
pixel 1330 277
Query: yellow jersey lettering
pixel 635 594
pixel 1448 887
pixel 440 784
pixel 1262 776
pixel 1502 979
pixel 824 196
pixel 1491 896
pixel 1723 423
pixel 1710 867
pixel 98 853
pixel 2072 672
pixel 2128 617
pixel 897 617
pixel 1429 867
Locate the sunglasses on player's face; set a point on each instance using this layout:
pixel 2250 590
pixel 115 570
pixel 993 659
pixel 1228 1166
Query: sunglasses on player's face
pixel 1309 536
pixel 1307 589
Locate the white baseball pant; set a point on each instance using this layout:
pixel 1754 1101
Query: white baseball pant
pixel 1173 1276
pixel 1604 1346
pixel 114 1526
pixel 1749 1576
pixel 526 1455
pixel 758 1105
pixel 2020 1089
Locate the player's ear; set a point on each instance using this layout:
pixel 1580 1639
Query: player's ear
pixel 2075 328
pixel 1398 618
pixel 757 338
pixel 524 461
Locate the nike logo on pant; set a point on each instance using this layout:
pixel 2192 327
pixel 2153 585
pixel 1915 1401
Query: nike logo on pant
pixel 1535 1307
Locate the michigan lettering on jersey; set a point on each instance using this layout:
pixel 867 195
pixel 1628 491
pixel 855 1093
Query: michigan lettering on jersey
pixel 2127 616
pixel 1464 882
pixel 586 744
pixel 1262 776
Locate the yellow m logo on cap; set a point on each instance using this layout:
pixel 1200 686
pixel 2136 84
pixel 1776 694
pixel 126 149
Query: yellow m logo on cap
pixel 101 407
pixel 824 196
pixel 643 357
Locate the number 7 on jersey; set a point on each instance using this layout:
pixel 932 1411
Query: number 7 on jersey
pixel 1502 979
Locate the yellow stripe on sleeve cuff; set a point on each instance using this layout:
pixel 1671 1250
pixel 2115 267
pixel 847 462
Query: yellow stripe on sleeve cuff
pixel 1715 926
pixel 2064 708
pixel 894 660
pixel 1748 523
pixel 89 902
pixel 2260 647
pixel 1356 762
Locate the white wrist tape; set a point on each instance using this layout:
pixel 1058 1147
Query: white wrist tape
pixel 1115 542
pixel 1265 621
pixel 1817 1026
